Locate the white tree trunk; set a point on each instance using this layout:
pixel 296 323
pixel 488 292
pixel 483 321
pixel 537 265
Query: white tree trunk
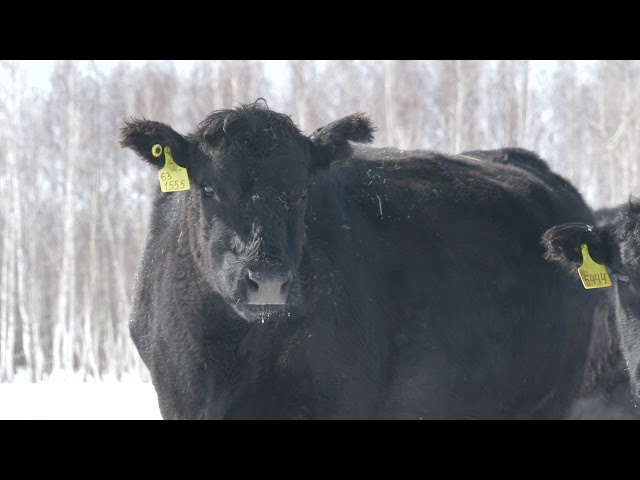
pixel 11 285
pixel 525 98
pixel 11 310
pixel 12 220
pixel 459 108
pixel 88 364
pixel 389 102
pixel 34 299
pixel 4 295
pixel 64 337
pixel 121 333
pixel 19 255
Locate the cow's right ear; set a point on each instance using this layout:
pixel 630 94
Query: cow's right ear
pixel 563 244
pixel 142 136
pixel 331 142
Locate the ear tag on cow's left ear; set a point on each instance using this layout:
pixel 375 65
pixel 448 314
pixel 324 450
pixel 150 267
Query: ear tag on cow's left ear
pixel 592 274
pixel 173 177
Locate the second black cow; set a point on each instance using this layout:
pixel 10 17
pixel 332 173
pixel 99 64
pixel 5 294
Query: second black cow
pixel 613 241
pixel 308 277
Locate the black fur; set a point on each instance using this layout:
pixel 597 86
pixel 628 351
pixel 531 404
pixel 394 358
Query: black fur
pixel 615 243
pixel 419 288
pixel 331 142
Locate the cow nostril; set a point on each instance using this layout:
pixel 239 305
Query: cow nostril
pixel 252 285
pixel 267 288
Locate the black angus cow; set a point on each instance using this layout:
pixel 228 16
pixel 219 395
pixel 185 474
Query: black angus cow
pixel 307 277
pixel 605 392
pixel 613 373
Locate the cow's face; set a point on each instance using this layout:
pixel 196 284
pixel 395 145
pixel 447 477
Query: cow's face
pixel 615 244
pixel 249 206
pixel 251 171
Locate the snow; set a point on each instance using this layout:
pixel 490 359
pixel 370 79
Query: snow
pixel 64 398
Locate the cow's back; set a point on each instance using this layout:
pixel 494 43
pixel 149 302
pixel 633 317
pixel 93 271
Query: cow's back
pixel 481 325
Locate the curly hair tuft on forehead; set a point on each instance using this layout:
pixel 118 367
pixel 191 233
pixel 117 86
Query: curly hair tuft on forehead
pixel 252 119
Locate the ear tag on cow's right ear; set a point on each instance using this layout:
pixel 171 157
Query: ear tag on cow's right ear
pixel 592 274
pixel 173 177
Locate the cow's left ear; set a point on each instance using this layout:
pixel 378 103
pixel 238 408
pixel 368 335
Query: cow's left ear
pixel 142 136
pixel 563 244
pixel 331 142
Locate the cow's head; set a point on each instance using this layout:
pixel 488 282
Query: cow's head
pixel 614 243
pixel 250 171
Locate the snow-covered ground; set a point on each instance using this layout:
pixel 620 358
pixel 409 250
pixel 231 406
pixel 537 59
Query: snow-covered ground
pixel 61 398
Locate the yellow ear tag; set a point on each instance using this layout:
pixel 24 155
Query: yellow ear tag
pixel 173 177
pixel 592 274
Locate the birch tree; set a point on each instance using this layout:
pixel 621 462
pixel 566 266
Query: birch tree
pixel 65 326
pixel 11 235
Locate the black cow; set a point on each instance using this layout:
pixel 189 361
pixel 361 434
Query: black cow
pixel 613 241
pixel 313 278
pixel 605 392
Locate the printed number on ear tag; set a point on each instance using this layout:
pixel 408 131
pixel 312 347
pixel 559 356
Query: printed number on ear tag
pixel 173 177
pixel 592 274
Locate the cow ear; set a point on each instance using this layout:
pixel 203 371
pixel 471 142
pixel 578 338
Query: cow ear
pixel 331 142
pixel 143 135
pixel 563 244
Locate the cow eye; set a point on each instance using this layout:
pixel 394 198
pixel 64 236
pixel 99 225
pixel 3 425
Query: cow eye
pixel 623 280
pixel 210 192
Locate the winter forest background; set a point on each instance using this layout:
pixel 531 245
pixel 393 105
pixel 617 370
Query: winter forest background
pixel 75 205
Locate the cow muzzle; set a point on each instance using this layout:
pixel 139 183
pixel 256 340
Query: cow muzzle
pixel 267 288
